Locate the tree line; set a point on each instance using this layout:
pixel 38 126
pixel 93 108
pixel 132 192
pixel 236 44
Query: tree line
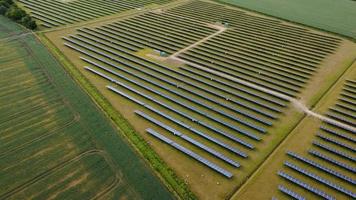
pixel 9 9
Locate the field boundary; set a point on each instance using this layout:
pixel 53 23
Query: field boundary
pixel 158 166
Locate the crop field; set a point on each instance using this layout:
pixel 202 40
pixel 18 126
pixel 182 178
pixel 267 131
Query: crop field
pixel 54 13
pixel 214 87
pixel 54 141
pixel 312 13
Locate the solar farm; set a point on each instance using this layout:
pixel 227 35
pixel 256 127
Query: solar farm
pixel 192 99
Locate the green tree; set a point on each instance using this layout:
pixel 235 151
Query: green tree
pixel 26 19
pixel 15 13
pixel 31 25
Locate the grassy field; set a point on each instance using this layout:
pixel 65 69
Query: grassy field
pixel 264 184
pixel 137 37
pixel 333 16
pixel 55 142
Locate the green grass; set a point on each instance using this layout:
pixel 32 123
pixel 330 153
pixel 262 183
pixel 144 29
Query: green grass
pixel 329 15
pixel 56 141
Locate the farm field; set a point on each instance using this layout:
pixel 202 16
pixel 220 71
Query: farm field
pixel 314 149
pixel 316 13
pixel 54 142
pixel 212 85
pixel 54 13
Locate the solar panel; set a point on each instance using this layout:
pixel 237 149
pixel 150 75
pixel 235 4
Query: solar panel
pixel 191 154
pixel 346 106
pixel 216 141
pixel 190 98
pixel 246 114
pixel 320 179
pixel 239 130
pixel 346 128
pixel 334 151
pixel 321 167
pixel 328 130
pixel 341 118
pixel 331 160
pixel 188 139
pixel 290 193
pixel 229 85
pixel 187 116
pixel 179 112
pixel 341 144
pixel 181 104
pixel 305 186
pixel 343 112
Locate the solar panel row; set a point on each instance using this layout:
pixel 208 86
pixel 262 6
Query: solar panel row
pixel 157 65
pixel 346 128
pixel 345 106
pixel 348 101
pixel 331 131
pixel 321 167
pixel 171 108
pixel 337 142
pixel 177 111
pixel 190 91
pixel 305 185
pixel 290 193
pixel 341 118
pixel 320 179
pixel 191 154
pixel 233 127
pixel 348 113
pixel 331 160
pixel 188 139
pixel 212 139
pixel 334 151
pixel 224 89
